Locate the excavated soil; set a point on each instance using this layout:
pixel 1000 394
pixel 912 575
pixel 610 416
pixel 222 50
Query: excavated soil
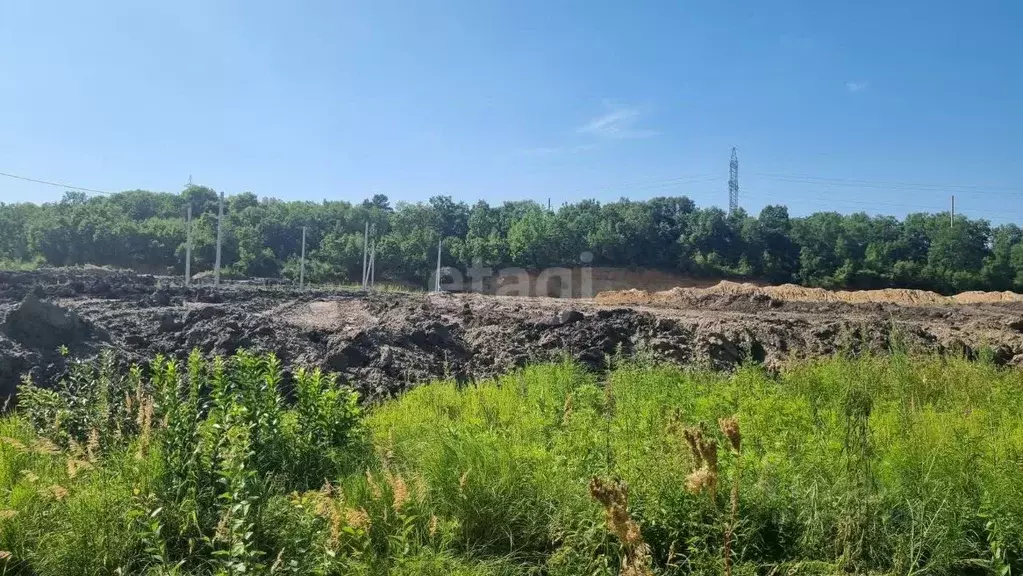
pixel 683 297
pixel 382 343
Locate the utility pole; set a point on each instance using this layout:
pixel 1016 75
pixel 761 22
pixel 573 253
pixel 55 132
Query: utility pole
pixel 436 285
pixel 301 266
pixel 952 218
pixel 188 243
pixel 188 238
pixel 220 238
pixel 733 182
pixel 373 264
pixel 365 255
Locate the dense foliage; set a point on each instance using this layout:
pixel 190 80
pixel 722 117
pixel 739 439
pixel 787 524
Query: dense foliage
pixel 890 465
pixel 174 473
pixel 146 231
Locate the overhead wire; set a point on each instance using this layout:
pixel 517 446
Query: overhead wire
pixel 879 184
pixel 652 184
pixel 820 200
pixel 826 202
pixel 821 184
pixel 56 184
pixel 667 183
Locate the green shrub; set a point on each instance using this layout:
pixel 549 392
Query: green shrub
pixel 189 454
pixel 891 465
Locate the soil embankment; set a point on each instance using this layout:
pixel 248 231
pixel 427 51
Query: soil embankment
pixel 687 296
pixel 384 342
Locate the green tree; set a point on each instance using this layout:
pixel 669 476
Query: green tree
pixel 145 231
pixel 998 272
pixel 537 241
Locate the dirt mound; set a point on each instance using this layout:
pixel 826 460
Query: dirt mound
pixel 728 292
pixel 74 282
pixel 978 297
pixel 382 343
pixel 31 336
pixel 634 295
pixel 40 324
pixel 725 294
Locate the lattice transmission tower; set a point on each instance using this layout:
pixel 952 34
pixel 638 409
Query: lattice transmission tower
pixel 733 183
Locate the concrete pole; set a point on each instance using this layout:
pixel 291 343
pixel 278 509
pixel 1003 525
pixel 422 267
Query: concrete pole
pixel 436 284
pixel 952 218
pixel 220 238
pixel 365 255
pixel 188 246
pixel 373 265
pixel 301 267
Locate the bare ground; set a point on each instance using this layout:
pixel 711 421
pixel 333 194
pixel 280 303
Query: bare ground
pixel 383 343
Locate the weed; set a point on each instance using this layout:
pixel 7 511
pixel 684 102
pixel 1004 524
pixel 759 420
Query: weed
pixel 614 497
pixel 705 453
pixel 894 465
pixel 730 428
pixel 198 450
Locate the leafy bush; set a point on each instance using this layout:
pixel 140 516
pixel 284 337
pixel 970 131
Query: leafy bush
pixel 890 465
pixel 190 455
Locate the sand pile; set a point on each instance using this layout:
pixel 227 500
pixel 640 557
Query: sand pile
pixel 978 297
pixel 792 293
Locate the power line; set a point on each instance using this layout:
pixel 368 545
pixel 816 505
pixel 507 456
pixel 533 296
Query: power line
pixel 828 201
pixel 906 186
pixel 672 184
pixel 651 184
pixel 856 181
pixel 57 184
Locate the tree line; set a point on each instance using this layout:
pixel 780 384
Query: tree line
pixel 145 231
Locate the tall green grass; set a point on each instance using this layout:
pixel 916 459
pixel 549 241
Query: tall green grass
pixel 885 465
pixel 891 465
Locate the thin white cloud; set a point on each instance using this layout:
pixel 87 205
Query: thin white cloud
pixel 857 86
pixel 552 150
pixel 618 123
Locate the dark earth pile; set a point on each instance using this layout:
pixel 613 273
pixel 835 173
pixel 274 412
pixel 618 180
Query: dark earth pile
pixel 384 342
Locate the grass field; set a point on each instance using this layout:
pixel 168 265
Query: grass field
pixel 893 465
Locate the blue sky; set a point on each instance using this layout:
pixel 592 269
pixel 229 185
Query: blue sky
pixel 879 106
